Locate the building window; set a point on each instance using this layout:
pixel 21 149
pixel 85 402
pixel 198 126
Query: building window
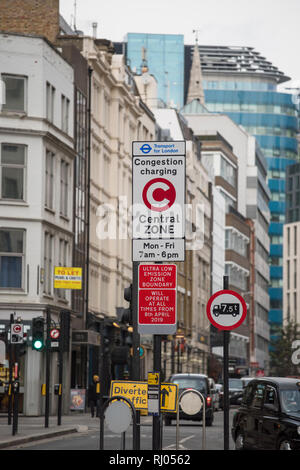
pixel 12 168
pixel 49 176
pixel 65 106
pixel 12 256
pixel 50 98
pixel 63 261
pixel 14 93
pixel 64 170
pixel 48 263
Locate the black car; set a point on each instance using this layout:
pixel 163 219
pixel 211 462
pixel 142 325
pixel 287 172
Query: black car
pixel 197 382
pixel 269 415
pixel 235 392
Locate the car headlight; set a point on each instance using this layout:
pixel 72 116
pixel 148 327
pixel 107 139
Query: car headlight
pixel 298 429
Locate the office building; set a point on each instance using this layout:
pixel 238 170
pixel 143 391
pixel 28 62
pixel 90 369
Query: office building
pixel 239 82
pixel 164 56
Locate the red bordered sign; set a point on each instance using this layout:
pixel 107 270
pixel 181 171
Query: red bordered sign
pixel 226 310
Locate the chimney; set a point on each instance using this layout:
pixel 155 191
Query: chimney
pixel 95 25
pixel 37 17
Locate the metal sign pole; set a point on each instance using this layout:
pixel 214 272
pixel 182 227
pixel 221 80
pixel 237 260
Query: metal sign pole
pixel 156 429
pixel 47 403
pixel 136 343
pixel 225 377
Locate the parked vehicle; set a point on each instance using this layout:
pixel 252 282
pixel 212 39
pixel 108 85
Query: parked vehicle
pixel 246 380
pixel 214 394
pixel 197 382
pixel 269 415
pixel 219 388
pixel 235 392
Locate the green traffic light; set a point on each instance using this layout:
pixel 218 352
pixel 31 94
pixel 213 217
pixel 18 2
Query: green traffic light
pixel 37 344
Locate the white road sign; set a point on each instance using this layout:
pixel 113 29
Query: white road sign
pixel 158 196
pixel 158 250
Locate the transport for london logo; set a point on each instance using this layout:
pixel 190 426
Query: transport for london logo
pixel 146 148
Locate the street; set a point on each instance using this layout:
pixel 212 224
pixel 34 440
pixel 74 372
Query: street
pixel 190 438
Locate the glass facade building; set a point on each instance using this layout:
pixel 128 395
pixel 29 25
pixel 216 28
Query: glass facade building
pixel 242 84
pixel 164 56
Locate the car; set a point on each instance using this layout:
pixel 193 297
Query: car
pixel 214 394
pixel 246 380
pixel 235 392
pixel 269 415
pixel 219 389
pixel 197 382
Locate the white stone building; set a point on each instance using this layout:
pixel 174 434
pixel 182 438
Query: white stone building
pixel 36 188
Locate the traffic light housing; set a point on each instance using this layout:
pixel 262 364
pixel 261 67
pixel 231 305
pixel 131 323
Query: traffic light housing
pixel 38 336
pixel 125 314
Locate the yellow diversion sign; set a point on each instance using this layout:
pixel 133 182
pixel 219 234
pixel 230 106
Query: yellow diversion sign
pixel 137 393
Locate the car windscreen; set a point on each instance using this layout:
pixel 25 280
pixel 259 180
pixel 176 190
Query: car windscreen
pixel 290 400
pixel 191 382
pixel 235 383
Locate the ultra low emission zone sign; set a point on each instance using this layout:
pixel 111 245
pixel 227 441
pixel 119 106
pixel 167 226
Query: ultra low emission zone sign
pixel 158 197
pixel 137 393
pixel 157 299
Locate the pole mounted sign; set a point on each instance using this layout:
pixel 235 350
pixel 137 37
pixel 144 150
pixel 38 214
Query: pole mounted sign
pixel 158 197
pixel 157 299
pixel 226 310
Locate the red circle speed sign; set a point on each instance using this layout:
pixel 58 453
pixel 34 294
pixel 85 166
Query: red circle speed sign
pixel 159 194
pixel 226 309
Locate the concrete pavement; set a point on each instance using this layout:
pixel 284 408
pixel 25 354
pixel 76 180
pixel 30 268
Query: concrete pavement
pixel 33 428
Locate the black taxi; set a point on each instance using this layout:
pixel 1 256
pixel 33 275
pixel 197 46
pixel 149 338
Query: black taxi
pixel 269 415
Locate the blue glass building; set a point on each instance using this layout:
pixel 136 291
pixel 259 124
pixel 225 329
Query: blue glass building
pixel 242 84
pixel 164 55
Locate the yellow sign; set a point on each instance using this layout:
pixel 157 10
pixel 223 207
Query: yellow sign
pixel 67 278
pixel 168 397
pixel 153 378
pixel 137 393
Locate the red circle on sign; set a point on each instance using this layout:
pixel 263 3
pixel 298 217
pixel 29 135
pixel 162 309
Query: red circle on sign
pixel 159 194
pixel 17 328
pixel 54 334
pixel 213 321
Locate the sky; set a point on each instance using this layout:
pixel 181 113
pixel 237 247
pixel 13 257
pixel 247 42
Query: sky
pixel 272 27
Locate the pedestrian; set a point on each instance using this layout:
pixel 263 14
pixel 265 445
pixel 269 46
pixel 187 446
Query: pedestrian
pixel 93 396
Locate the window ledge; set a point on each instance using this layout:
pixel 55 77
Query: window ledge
pixel 13 291
pixel 5 202
pixel 64 217
pixel 48 209
pixel 8 113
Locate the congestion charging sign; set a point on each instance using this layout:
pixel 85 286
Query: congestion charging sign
pixel 158 197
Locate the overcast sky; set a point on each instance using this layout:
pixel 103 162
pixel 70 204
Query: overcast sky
pixel 272 27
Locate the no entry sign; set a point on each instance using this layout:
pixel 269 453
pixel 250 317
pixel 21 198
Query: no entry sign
pixel 226 310
pixel 157 299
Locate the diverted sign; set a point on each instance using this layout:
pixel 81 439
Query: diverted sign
pixel 137 393
pixel 67 278
pixel 157 297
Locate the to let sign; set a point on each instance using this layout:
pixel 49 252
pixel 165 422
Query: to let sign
pixel 157 299
pixel 67 278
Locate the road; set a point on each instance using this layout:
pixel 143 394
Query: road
pixel 190 438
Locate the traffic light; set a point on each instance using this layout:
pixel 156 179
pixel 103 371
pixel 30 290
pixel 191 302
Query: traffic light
pixel 65 319
pixel 125 314
pixel 38 340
